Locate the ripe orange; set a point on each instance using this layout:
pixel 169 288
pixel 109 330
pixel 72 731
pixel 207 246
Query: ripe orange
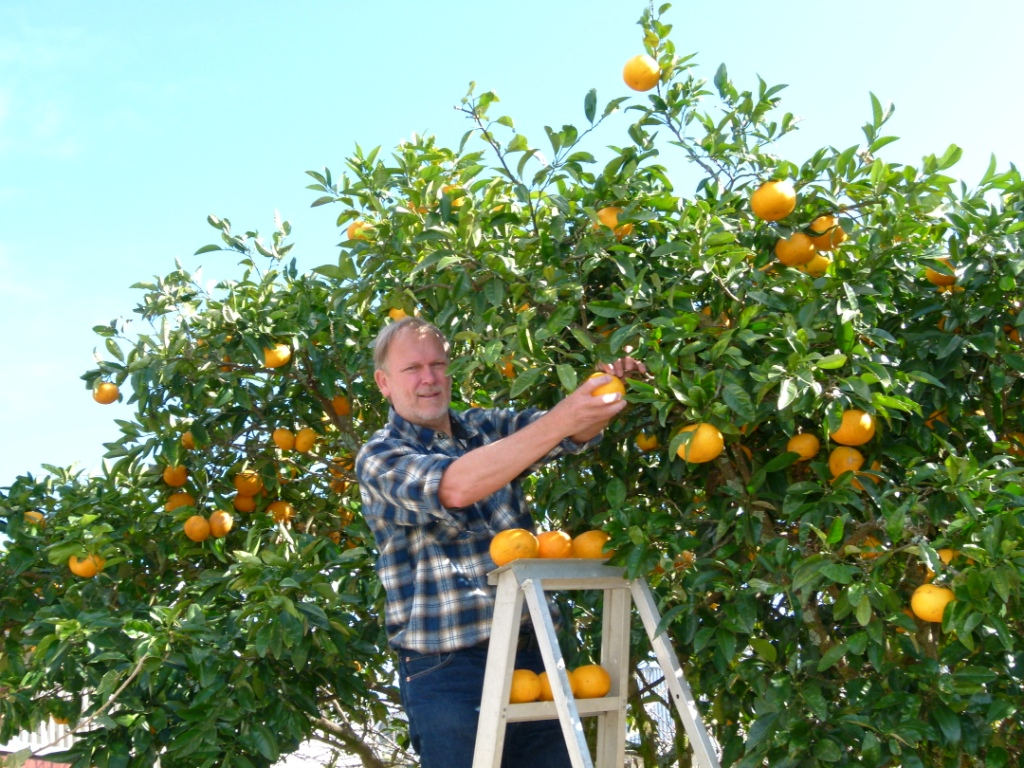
pixel 221 523
pixel 592 681
pixel 396 314
pixel 826 233
pixel 870 548
pixel 513 544
pixel 87 567
pixel 456 201
pixel 282 511
pixel 197 528
pixel 188 442
pixel 525 686
pixel 305 439
pixel 554 544
pixel 796 250
pixel 341 405
pixel 356 230
pixel 946 555
pixel 706 444
pixel 243 503
pixel 506 367
pixel 610 218
pixel 248 482
pixel 613 387
pixel 283 438
pixel 940 279
pixel 105 393
pixel 278 356
pixel 175 476
pixel 590 545
pixel 179 499
pixel 646 442
pixel 545 686
pixel 856 428
pixel 773 200
pixel 929 602
pixel 35 517
pixel 806 444
pixel 844 459
pixel 641 73
pixel 817 266
pixel 935 416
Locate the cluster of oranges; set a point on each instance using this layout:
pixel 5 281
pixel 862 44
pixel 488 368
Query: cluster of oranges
pixel 805 250
pixel 590 681
pixel 518 543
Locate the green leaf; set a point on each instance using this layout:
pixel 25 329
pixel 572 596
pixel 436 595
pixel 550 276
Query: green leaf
pixel 528 379
pixel 831 656
pixel 590 105
pixel 615 492
pixel 830 362
pixel 764 649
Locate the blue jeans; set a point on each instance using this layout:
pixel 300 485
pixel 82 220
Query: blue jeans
pixel 441 695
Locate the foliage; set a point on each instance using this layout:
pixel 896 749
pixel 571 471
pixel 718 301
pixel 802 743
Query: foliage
pixel 796 640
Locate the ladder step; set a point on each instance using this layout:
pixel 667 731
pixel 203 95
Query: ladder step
pixel 545 710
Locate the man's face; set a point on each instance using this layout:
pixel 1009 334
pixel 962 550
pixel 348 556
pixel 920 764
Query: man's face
pixel 415 378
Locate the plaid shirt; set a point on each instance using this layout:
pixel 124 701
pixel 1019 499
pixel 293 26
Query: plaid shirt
pixel 433 561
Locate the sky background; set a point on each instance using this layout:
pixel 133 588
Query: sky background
pixel 123 125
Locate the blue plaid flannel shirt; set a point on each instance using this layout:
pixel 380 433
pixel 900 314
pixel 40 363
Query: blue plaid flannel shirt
pixel 433 561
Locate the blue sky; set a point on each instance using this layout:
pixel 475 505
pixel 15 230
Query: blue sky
pixel 122 125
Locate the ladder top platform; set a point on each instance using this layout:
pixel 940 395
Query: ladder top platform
pixel 584 571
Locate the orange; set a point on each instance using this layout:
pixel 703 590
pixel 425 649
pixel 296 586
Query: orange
pixel 35 517
pixel 179 499
pixel 773 200
pixel 844 459
pixel 197 528
pixel 334 536
pixel 396 314
pixel 796 250
pixel 856 428
pixel 554 544
pixel 456 201
pixel 870 548
pixel 305 439
pixel 592 681
pixel 188 442
pixel 646 443
pixel 175 476
pixel 946 555
pixel 826 233
pixel 929 602
pixel 243 503
pixel 506 368
pixel 610 218
pixel 590 545
pixel 282 511
pixel 817 266
pixel 87 567
pixel 221 523
pixel 278 356
pixel 613 387
pixel 106 393
pixel 248 482
pixel 641 73
pixel 513 544
pixel 283 438
pixel 806 444
pixel 935 416
pixel 940 279
pixel 341 405
pixel 356 230
pixel 525 686
pixel 706 444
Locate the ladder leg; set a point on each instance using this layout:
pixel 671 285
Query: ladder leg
pixel 703 748
pixel 554 665
pixel 611 726
pixel 501 657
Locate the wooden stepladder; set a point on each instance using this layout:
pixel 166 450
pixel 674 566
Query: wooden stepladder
pixel 529 579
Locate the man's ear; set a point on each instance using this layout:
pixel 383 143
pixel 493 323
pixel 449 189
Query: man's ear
pixel 382 382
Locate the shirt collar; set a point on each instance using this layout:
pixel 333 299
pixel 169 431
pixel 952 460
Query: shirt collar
pixel 461 427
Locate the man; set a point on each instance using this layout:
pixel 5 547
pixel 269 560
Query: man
pixel 437 485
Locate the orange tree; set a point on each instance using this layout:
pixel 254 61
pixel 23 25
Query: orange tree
pixel 889 317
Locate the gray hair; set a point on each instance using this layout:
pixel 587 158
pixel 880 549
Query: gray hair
pixel 387 334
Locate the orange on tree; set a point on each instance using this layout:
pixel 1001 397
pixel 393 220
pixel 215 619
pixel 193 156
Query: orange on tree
pixel 590 545
pixel 188 441
pixel 197 528
pixel 805 444
pixel 856 428
pixel 554 544
pixel 277 356
pixel 175 476
pixel 646 442
pixel 613 387
pixel 506 367
pixel 929 602
pixel 179 499
pixel 870 548
pixel 817 266
pixel 248 482
pixel 641 73
pixel 357 230
pixel 283 438
pixel 34 517
pixel 706 443
pixel 397 313
pixel 844 459
pixel 221 523
pixel 105 393
pixel 773 200
pixel 609 216
pixel 826 233
pixel 592 681
pixel 305 439
pixel 525 686
pixel 934 416
pixel 282 511
pixel 795 250
pixel 341 405
pixel 941 279
pixel 243 503
pixel 86 567
pixel 513 544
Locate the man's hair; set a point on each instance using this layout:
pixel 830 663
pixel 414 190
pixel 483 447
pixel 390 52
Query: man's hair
pixel 387 334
